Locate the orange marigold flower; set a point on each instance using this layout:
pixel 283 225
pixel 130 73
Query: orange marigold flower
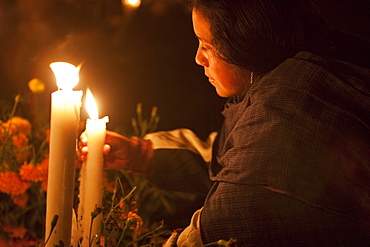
pixel 20 140
pixel 20 200
pixel 134 215
pixel 45 162
pixel 8 128
pixel 33 173
pixel 11 183
pixel 36 85
pixel 18 125
pixel 15 231
pixel 29 172
pixel 136 221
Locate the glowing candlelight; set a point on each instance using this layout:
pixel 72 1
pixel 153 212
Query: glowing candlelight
pixel 66 74
pixel 132 3
pixel 91 176
pixel 129 7
pixel 65 115
pixel 91 107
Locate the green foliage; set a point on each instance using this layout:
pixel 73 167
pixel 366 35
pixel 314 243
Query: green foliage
pixel 142 126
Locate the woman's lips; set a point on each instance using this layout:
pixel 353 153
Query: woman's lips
pixel 211 80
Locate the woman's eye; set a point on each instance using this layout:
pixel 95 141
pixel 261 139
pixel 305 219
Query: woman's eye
pixel 205 48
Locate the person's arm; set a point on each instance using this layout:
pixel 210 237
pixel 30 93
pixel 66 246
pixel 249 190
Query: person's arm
pixel 172 160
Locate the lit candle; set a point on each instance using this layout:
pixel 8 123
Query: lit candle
pixel 91 177
pixel 130 6
pixel 132 3
pixel 65 115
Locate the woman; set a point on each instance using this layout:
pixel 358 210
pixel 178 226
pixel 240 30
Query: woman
pixel 291 165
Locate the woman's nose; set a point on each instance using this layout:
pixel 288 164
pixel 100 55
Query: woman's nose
pixel 200 59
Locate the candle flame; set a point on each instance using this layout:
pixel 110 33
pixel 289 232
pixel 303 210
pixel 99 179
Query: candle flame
pixel 91 107
pixel 66 74
pixel 132 3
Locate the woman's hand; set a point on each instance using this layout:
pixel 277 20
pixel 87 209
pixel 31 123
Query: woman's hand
pixel 120 152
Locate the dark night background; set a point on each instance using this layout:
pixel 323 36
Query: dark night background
pixel 146 55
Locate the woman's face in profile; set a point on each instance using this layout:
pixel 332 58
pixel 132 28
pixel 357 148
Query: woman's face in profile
pixel 228 79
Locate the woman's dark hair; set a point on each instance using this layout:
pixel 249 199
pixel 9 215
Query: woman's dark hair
pixel 260 34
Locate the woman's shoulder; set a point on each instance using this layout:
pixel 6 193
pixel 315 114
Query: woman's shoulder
pixel 309 77
pixel 307 69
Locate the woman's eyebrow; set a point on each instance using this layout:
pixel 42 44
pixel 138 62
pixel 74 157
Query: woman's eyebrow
pixel 198 37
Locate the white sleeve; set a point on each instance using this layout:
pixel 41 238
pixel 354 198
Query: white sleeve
pixel 183 139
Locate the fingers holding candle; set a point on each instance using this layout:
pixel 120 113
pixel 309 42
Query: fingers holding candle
pixel 120 152
pixel 83 149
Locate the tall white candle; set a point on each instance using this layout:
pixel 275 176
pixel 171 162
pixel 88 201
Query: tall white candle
pixel 91 177
pixel 65 115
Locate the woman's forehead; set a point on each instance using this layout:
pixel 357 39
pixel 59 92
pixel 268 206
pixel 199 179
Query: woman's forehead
pixel 201 26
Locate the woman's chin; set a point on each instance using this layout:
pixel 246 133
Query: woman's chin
pixel 221 93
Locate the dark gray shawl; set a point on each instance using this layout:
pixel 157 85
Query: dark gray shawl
pixel 294 158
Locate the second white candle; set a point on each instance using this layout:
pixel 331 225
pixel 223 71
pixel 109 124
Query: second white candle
pixel 91 178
